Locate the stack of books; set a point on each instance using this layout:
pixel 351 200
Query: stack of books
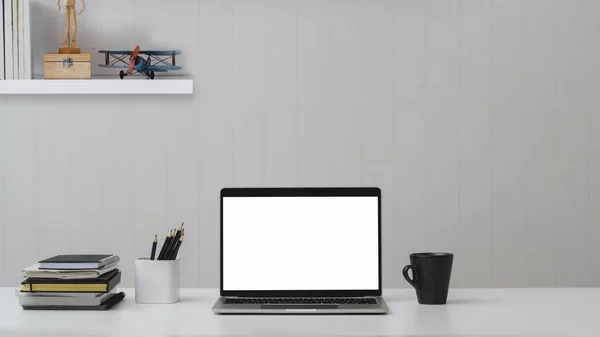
pixel 72 282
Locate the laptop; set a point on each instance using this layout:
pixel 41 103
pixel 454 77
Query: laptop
pixel 300 251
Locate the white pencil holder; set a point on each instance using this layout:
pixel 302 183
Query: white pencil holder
pixel 156 281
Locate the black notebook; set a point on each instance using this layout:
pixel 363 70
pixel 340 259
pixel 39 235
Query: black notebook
pixel 76 261
pixel 106 305
pixel 102 284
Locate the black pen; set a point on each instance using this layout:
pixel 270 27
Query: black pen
pixel 154 247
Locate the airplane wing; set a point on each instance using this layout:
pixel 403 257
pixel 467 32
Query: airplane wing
pixel 163 68
pixel 116 52
pixel 114 66
pixel 160 52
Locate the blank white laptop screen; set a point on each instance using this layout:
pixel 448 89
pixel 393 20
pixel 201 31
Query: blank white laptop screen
pixel 300 243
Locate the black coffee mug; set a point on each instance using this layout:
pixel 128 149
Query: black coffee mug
pixel 430 276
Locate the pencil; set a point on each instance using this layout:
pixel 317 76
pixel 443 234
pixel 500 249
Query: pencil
pixel 172 252
pixel 178 234
pixel 154 247
pixel 175 241
pixel 164 246
pixel 170 245
pixel 176 251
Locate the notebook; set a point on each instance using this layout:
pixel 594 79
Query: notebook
pixel 107 305
pixel 102 284
pixel 35 272
pixel 18 292
pixel 34 299
pixel 78 261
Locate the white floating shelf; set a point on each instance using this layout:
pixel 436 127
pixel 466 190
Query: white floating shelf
pixel 102 85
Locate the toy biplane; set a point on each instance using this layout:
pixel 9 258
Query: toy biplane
pixel 157 61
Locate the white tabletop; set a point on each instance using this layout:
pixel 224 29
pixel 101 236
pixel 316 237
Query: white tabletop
pixel 469 312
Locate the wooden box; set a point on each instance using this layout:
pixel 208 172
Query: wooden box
pixel 68 66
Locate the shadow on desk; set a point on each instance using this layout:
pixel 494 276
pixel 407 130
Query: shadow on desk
pixel 339 335
pixel 458 301
pixel 412 297
pixel 189 300
pixel 403 297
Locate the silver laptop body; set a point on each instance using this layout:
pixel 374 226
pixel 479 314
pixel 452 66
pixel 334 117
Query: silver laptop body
pixel 300 251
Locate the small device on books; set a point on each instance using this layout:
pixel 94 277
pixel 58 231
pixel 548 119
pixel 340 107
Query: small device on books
pixel 76 261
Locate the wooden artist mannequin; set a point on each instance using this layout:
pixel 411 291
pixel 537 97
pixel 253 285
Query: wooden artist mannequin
pixel 70 26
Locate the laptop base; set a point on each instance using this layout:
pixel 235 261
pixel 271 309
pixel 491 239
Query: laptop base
pixel 220 307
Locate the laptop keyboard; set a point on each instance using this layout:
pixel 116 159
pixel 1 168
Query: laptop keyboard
pixel 340 300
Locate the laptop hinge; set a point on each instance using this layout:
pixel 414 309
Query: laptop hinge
pixel 363 296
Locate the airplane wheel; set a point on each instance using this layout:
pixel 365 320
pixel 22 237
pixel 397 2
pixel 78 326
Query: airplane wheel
pixel 151 75
pixel 122 74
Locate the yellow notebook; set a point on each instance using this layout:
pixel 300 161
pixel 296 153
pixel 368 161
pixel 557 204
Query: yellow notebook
pixel 96 288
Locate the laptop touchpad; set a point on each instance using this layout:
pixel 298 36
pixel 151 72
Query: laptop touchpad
pixel 299 307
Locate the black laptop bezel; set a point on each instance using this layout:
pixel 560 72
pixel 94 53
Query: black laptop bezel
pixel 295 192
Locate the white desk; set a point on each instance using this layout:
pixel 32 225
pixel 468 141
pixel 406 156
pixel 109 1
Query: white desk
pixel 477 312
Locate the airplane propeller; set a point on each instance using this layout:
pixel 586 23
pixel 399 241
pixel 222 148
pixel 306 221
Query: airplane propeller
pixel 134 55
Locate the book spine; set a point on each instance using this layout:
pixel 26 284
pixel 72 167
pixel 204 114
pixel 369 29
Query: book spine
pixel 2 65
pixel 8 39
pixel 112 283
pixel 27 59
pixel 15 39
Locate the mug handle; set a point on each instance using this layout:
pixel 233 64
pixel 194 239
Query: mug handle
pixel 414 280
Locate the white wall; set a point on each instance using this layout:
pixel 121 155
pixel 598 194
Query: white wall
pixel 478 119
